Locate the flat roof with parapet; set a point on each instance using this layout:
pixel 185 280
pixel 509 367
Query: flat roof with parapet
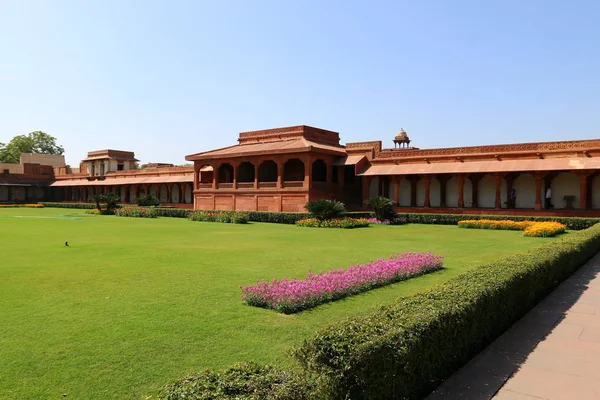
pixel 110 154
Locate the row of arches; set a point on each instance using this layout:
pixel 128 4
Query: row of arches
pixel 293 170
pixel 175 193
pixel 481 192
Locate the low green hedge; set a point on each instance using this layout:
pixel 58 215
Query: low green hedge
pixel 85 206
pixel 228 217
pixel 242 381
pixel 404 350
pixel 572 223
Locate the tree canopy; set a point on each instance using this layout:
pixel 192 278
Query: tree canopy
pixel 35 142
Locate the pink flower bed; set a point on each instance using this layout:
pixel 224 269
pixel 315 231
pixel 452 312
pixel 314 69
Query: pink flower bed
pixel 293 295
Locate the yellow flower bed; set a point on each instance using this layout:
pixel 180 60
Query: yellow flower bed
pixel 529 228
pixel 21 205
pixel 544 229
pixel 495 224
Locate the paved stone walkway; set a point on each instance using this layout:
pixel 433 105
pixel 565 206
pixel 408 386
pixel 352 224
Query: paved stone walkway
pixel 552 353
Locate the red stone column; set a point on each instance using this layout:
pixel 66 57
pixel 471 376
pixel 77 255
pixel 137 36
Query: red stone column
pixel 329 177
pixel 443 181
pixel 396 190
pixel 215 175
pixel 256 174
pixel 170 192
pixel 538 191
pixel 460 181
pixel 196 177
pixel 498 181
pixel 583 191
pixel 308 173
pixel 280 166
pixel 341 172
pixel 474 191
pixel 73 193
pixel 413 192
pixel 427 181
pixel 235 173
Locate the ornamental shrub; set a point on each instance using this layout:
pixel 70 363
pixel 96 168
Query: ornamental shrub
pixel 544 229
pixel 383 208
pixel 346 223
pixel 229 217
pixel 136 212
pixel 290 296
pixel 21 205
pixel 242 381
pixel 148 200
pixel 324 209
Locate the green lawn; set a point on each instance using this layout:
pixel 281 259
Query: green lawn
pixel 133 304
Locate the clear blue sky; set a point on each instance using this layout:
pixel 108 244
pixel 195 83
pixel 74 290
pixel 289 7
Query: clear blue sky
pixel 170 78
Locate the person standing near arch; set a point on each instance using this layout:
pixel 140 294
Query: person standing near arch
pixel 548 196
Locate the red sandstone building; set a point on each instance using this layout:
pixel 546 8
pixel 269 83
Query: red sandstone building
pixel 282 169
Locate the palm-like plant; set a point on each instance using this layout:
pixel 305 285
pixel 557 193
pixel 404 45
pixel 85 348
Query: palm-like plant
pixel 382 206
pixel 110 199
pixel 324 209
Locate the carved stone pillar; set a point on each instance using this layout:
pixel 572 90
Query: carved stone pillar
pixel 235 175
pixel 460 181
pixel 366 186
pixel 413 192
pixel 498 182
pixel 307 173
pixel 583 190
pixel 196 178
pixel 256 175
pixel 280 167
pixel 427 182
pixel 396 190
pixel 215 175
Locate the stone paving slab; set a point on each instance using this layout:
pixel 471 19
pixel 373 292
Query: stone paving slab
pixel 553 353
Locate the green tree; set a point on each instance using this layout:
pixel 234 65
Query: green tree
pixel 110 199
pixel 35 142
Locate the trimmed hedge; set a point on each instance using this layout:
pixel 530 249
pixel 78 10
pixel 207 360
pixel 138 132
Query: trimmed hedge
pixel 227 217
pixel 573 223
pixel 404 350
pixel 69 205
pixel 242 381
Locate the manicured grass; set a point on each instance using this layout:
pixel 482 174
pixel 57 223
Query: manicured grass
pixel 133 304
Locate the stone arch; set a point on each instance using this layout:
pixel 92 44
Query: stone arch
pixel 187 194
pixel 175 193
pixel 486 192
pixel 404 198
pixel 468 193
pixel 452 192
pixel 225 174
pixel 153 190
pixel 245 172
pixel 163 193
pixel 267 171
pixel 524 185
pixel 319 171
pixel 565 184
pixel 293 170
pixel 435 192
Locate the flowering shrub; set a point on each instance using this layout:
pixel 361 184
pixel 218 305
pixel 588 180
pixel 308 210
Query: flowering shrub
pixel 529 228
pixel 95 211
pixel 294 295
pixel 495 224
pixel 393 221
pixel 229 217
pixel 544 229
pixel 346 223
pixel 136 212
pixel 21 205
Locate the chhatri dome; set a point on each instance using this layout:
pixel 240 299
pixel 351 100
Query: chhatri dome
pixel 401 139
